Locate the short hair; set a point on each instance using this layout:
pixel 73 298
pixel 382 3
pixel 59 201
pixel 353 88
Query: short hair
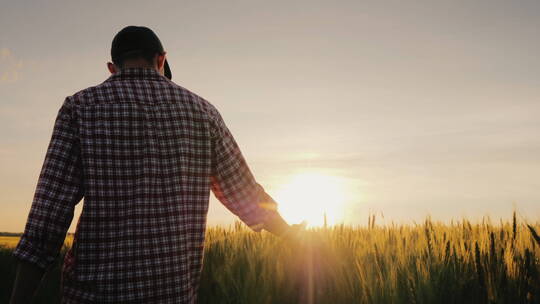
pixel 148 56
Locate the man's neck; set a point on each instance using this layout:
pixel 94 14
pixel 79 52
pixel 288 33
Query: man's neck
pixel 135 66
pixel 138 64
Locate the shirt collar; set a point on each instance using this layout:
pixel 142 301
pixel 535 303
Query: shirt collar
pixel 137 73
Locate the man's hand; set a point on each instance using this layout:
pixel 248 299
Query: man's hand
pixel 26 283
pixel 293 234
pixel 277 225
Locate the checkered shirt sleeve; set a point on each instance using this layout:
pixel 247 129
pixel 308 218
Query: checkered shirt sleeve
pixel 58 190
pixel 233 183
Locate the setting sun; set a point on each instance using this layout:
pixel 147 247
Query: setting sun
pixel 312 196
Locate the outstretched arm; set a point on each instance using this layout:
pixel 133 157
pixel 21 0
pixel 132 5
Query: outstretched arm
pixel 235 187
pixel 59 189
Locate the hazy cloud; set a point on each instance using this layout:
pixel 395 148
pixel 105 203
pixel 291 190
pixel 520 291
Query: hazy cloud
pixel 10 66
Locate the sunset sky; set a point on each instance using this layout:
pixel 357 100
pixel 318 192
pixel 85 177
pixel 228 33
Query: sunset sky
pixel 405 108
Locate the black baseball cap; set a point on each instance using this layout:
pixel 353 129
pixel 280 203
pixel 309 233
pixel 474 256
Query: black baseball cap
pixel 137 39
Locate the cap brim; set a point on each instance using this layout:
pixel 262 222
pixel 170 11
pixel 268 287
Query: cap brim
pixel 167 70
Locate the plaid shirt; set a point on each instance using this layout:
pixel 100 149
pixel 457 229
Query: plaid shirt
pixel 144 153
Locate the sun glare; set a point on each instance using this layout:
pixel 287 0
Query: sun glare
pixel 311 197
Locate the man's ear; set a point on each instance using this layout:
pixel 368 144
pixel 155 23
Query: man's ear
pixel 112 68
pixel 161 61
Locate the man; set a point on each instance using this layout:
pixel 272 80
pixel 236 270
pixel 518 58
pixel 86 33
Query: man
pixel 144 153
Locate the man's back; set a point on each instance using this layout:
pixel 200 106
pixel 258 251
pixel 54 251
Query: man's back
pixel 144 153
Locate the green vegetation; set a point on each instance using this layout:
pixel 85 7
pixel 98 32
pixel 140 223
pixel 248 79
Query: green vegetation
pixel 425 263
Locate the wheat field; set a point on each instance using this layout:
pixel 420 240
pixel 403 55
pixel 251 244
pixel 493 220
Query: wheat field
pixel 431 262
